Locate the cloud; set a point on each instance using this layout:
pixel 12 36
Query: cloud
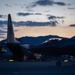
pixel 38 14
pixel 1 16
pixel 55 17
pixel 2 36
pixel 28 23
pixel 53 21
pixel 44 2
pixel 58 19
pixel 24 14
pixel 2 23
pixel 60 3
pixel 2 31
pixel 8 5
pixel 72 25
pixel 48 3
pixel 32 24
pixel 52 17
pixel 27 14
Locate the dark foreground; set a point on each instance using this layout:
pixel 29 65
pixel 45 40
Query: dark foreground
pixel 36 68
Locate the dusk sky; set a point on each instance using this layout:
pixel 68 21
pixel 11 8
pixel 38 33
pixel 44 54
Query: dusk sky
pixel 38 17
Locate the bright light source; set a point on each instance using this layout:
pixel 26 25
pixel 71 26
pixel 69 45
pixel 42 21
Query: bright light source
pixel 11 60
pixel 65 60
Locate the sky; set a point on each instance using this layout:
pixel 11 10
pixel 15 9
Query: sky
pixel 38 17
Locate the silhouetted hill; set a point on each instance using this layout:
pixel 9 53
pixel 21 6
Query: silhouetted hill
pixel 73 37
pixel 35 40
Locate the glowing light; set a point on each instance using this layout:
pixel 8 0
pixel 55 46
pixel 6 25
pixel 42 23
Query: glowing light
pixel 65 60
pixel 11 60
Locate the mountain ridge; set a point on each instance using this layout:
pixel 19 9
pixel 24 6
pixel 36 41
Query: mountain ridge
pixel 35 40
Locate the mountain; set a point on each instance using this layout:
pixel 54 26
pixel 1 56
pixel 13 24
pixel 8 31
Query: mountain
pixel 35 40
pixel 73 37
